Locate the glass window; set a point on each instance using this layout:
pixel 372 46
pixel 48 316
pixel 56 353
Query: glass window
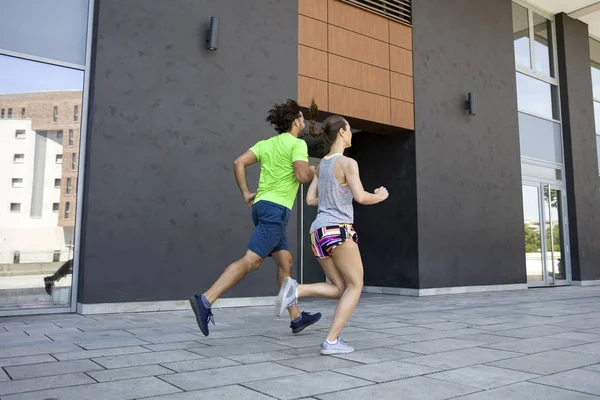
pixel 56 256
pixel 540 138
pixel 49 29
pixel 39 92
pixel 542 35
pixel 19 134
pixel 69 186
pixel 57 183
pixel 17 257
pixel 521 36
pixel 9 116
pixel 74 162
pixel 76 113
pixel 15 207
pixel 537 97
pixel 17 182
pixel 2 113
pixel 598 151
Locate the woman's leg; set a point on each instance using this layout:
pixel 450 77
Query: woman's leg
pixel 331 290
pixel 347 262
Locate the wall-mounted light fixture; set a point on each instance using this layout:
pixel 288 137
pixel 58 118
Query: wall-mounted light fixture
pixel 211 37
pixel 470 104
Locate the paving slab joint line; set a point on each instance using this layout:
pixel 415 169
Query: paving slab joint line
pixel 562 388
pixel 7 374
pixel 480 389
pixel 91 377
pixel 258 391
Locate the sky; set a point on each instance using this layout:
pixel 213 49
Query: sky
pixel 24 76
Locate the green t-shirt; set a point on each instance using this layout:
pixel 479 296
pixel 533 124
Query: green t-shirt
pixel 277 182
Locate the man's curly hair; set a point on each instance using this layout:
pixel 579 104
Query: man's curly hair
pixel 281 116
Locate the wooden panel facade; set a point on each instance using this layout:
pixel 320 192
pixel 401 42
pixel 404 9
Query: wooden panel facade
pixel 355 63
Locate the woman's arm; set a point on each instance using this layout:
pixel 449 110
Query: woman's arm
pixel 312 195
pixel 350 169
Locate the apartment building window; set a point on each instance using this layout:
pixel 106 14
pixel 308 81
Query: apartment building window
pixel 15 207
pixel 71 137
pixel 23 113
pixel 59 135
pixel 19 158
pixel 17 182
pixel 57 183
pixel 69 188
pixel 595 60
pixel 67 210
pixel 55 114
pixel 2 113
pixel 74 162
pixel 56 256
pixel 19 134
pixel 55 207
pixel 17 257
pixel 76 113
pixel 9 113
pixel 59 158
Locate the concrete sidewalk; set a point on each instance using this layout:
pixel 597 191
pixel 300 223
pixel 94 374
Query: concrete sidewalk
pixel 531 344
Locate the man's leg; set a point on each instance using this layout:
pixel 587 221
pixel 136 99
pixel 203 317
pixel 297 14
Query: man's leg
pixel 233 274
pixel 201 304
pixel 284 262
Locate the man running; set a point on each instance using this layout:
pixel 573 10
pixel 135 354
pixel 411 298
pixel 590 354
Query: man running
pixel 284 165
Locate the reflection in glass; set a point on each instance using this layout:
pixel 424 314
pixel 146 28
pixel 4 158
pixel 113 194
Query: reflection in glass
pixel 542 36
pixel 597 116
pixel 521 36
pixel 37 242
pixel 555 257
pixel 537 97
pixel 539 172
pixel 533 237
pixel 596 80
pixel 598 150
pixel 540 138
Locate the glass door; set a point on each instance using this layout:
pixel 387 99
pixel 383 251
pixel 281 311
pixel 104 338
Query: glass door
pixel 546 244
pixel 555 225
pixel 534 246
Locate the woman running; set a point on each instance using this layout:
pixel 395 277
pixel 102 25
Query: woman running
pixel 333 239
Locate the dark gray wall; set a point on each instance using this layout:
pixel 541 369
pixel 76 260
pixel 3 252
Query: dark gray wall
pixel 581 162
pixel 162 213
pixel 387 231
pixel 470 212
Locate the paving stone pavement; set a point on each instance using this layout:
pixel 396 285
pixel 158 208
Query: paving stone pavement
pixel 529 344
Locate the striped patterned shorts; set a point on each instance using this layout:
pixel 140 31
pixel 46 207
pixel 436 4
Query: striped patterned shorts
pixel 325 239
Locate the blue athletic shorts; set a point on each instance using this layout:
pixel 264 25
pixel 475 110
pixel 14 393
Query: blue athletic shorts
pixel 270 235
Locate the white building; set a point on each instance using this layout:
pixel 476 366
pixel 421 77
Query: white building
pixel 30 181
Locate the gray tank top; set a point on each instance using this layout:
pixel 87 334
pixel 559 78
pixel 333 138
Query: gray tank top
pixel 335 200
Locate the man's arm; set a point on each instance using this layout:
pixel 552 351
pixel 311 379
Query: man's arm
pixel 239 169
pixel 303 171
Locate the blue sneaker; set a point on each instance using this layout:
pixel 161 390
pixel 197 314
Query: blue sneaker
pixel 339 347
pixel 203 315
pixel 307 320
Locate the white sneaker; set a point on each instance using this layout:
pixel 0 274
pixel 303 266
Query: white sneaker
pixel 339 347
pixel 287 296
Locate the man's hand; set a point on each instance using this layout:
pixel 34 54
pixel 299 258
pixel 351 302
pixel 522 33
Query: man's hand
pixel 249 198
